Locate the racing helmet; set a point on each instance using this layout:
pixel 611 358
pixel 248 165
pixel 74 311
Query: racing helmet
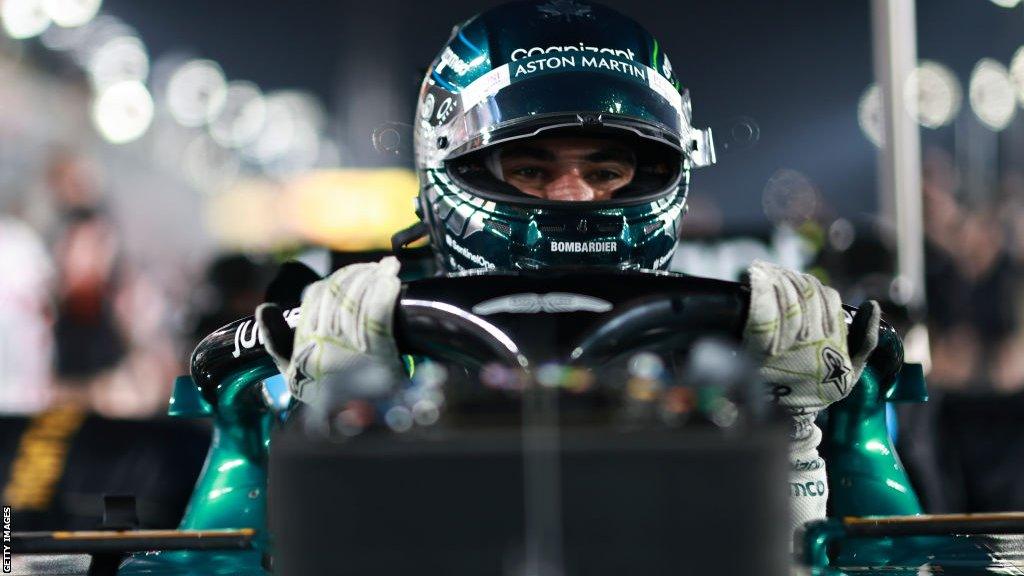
pixel 547 68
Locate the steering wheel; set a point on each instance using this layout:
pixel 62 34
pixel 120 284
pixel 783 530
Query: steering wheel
pixel 527 319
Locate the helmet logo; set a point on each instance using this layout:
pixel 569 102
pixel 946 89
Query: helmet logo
pixel 566 9
pixel 666 67
pixel 427 110
pixel 445 110
pixel 532 303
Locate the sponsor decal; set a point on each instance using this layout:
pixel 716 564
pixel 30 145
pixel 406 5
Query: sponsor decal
pixel 427 110
pixel 565 9
pixel 445 110
pixel 814 488
pixel 586 247
pixel 302 376
pixel 451 60
pixel 485 87
pixel 807 465
pixel 552 63
pixel 521 53
pixel 532 303
pixel 474 258
pixel 836 369
pixel 666 66
pixel 780 391
pixel 663 260
pixel 248 334
pixel 537 61
pixel 801 428
pixel 666 90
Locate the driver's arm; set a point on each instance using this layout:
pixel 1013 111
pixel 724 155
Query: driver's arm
pixel 797 330
pixel 344 319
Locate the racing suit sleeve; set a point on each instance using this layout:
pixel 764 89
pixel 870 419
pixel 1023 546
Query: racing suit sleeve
pixel 797 329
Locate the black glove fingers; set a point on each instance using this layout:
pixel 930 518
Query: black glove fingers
pixel 857 337
pixel 278 336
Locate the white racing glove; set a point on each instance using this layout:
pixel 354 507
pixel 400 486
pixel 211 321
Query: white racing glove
pixel 344 319
pixel 797 329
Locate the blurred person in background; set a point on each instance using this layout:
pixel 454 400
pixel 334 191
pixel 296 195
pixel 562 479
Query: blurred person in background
pixel 113 351
pixel 972 284
pixel 232 287
pixel 26 317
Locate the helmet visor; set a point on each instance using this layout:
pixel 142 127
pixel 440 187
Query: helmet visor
pixel 531 95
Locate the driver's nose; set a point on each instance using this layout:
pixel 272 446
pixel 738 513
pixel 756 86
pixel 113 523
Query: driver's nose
pixel 570 187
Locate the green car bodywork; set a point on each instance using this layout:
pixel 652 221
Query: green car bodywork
pixel 231 489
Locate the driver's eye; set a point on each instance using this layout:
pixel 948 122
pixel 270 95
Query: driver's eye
pixel 528 172
pixel 604 175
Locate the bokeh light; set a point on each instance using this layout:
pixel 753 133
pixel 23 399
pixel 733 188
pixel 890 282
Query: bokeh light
pixel 789 197
pixel 289 141
pixel 351 209
pixel 646 365
pixel 196 92
pixel 71 13
pixel 83 42
pixel 1017 73
pixel 119 59
pixel 869 115
pixel 426 413
pixel 123 112
pixel 841 235
pixel 209 167
pixel 399 418
pixel 1006 3
pixel 24 18
pixel 241 117
pixel 992 94
pixel 246 215
pixel 937 92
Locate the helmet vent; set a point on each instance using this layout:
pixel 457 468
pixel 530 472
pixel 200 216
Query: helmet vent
pixel 501 227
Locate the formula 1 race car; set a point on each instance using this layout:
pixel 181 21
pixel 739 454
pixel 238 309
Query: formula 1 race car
pixel 571 433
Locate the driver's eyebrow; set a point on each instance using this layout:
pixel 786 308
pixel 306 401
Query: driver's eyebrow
pixel 612 154
pixel 528 152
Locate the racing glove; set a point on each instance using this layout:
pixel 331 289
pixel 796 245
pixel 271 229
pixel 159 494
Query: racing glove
pixel 796 328
pixel 344 319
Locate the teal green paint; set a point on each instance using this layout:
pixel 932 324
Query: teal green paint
pixel 865 475
pixel 533 235
pixel 186 400
pixel 910 385
pixel 231 489
pixel 627 232
pixel 195 563
pixel 828 551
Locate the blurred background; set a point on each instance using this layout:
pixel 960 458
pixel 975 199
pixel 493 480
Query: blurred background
pixel 159 159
